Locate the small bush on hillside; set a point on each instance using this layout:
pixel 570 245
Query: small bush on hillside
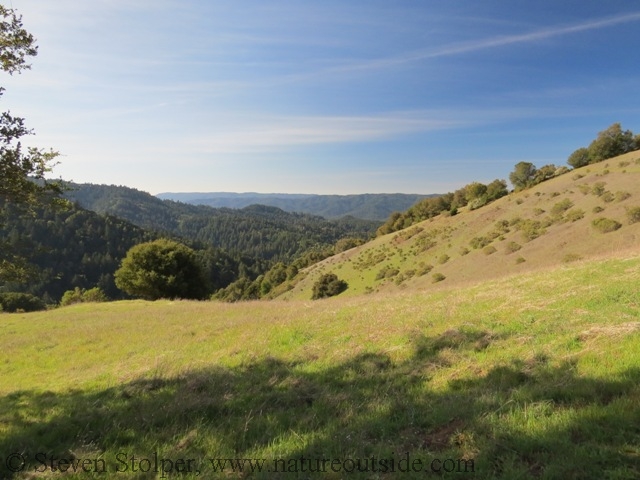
pixel 520 260
pixel 82 296
pixel 443 259
pixel 437 277
pixel 623 163
pixel 584 189
pixel 387 272
pixel 597 209
pixel 622 196
pixel 607 197
pixel 512 247
pixel 531 229
pixel 571 257
pixel 464 251
pixel 502 226
pixel 598 188
pixel 605 225
pixel 561 207
pixel 489 250
pixel 328 285
pixel 574 215
pixel 20 302
pixel 633 215
pixel 423 269
pixel 479 242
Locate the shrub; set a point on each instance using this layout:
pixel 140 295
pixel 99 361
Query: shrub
pixel 607 196
pixel 520 260
pixel 479 242
pixel 561 207
pixel 597 209
pixel 633 215
pixel 423 269
pixel 531 229
pixel 502 226
pixel 598 188
pixel 25 302
pixel 489 250
pixel 513 247
pixel 328 285
pixel 584 189
pixel 571 257
pixel 437 277
pixel 622 196
pixel 605 225
pixel 387 272
pixel 443 259
pixel 464 251
pixel 574 215
pixel 82 296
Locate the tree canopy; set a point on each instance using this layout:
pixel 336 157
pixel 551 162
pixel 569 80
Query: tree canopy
pixel 22 171
pixel 609 143
pixel 19 167
pixel 162 269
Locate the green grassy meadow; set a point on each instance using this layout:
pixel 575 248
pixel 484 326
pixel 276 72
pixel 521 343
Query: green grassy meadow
pixel 535 375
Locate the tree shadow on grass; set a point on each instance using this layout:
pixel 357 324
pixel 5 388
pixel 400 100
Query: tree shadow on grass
pixel 519 420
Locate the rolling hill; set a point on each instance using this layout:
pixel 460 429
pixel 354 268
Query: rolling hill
pixel 548 225
pixel 264 232
pixel 520 362
pixel 533 376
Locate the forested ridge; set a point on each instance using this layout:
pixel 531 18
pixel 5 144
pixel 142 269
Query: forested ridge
pixel 65 248
pixel 257 230
pixel 77 247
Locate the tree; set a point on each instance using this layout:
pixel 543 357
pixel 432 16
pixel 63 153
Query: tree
pixel 579 158
pixel 522 175
pixel 496 189
pixel 161 269
pixel 22 172
pixel 544 173
pixel 610 143
pixel 328 285
pixel 475 190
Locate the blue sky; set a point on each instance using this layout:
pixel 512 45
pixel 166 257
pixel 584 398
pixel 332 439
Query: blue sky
pixel 331 97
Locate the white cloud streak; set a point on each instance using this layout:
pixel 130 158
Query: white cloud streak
pixel 489 43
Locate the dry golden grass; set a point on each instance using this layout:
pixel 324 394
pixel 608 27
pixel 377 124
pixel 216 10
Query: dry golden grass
pixel 564 240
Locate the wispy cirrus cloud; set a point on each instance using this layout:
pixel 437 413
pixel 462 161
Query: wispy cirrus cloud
pixel 263 133
pixel 487 43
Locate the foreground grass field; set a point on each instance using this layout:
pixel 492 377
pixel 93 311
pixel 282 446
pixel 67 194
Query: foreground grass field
pixel 532 376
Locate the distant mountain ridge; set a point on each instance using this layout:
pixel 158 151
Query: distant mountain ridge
pixel 367 206
pixel 260 231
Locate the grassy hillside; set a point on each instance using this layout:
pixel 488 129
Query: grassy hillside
pixel 530 376
pixel 550 224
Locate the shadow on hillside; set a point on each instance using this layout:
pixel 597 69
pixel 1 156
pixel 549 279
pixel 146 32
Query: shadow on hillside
pixel 520 420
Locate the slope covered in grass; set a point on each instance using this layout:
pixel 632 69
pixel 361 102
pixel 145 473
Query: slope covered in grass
pixel 549 224
pixel 530 376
